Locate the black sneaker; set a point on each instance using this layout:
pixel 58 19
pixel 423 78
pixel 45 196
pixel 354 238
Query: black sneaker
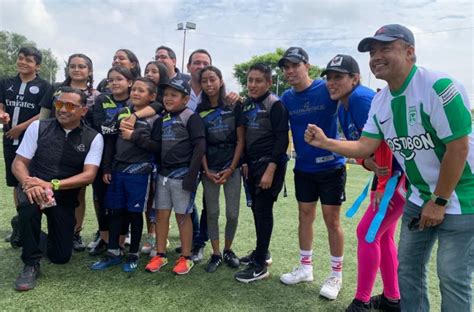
pixel 214 262
pixel 252 273
pixel 100 248
pixel 27 278
pixel 231 259
pixel 358 306
pixel 77 243
pixel 380 302
pixel 15 239
pixel 246 260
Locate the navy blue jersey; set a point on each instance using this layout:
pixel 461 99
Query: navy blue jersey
pixel 312 106
pixel 352 119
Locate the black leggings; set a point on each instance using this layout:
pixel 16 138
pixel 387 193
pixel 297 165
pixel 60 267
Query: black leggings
pixel 262 208
pixel 119 221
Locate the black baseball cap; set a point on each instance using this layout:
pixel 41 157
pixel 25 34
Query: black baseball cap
pixel 342 63
pixel 177 84
pixel 294 55
pixel 387 33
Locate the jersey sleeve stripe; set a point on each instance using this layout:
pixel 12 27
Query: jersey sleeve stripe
pixel 457 114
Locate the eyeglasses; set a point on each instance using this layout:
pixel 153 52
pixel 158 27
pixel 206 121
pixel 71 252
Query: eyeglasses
pixel 67 105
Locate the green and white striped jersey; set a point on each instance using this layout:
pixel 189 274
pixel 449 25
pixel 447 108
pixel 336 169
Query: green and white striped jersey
pixel 430 110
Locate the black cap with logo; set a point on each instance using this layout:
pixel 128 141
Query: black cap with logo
pixel 294 55
pixel 387 33
pixel 342 63
pixel 177 84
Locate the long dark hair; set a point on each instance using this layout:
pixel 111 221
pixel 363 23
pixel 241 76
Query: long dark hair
pixel 90 79
pixel 134 59
pixel 164 78
pixel 205 102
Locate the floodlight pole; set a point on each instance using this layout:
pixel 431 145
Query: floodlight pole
pixel 185 27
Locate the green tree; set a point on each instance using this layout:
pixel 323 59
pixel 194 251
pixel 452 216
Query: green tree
pixel 271 59
pixel 10 44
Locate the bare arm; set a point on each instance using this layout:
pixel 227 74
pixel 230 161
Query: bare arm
pixel 362 148
pixel 45 113
pixel 452 165
pixel 15 132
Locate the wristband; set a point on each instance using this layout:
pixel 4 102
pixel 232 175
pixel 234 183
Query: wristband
pixel 55 183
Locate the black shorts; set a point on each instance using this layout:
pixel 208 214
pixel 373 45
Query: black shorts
pixel 328 186
pixel 9 153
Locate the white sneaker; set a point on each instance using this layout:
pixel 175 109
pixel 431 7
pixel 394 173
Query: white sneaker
pixel 331 287
pixel 95 242
pixel 149 244
pixel 303 273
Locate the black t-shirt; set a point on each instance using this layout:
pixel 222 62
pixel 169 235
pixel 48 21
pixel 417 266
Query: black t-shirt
pixel 221 125
pixel 21 101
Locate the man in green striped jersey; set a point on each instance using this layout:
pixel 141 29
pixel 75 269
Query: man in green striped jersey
pixel 424 116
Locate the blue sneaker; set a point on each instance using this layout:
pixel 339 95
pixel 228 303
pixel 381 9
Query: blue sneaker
pixel 131 264
pixel 108 261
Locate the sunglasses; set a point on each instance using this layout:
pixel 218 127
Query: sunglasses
pixel 67 105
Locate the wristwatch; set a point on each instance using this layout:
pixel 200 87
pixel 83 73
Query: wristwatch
pixel 440 201
pixel 55 184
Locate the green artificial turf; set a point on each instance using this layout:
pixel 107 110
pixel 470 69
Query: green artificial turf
pixel 75 287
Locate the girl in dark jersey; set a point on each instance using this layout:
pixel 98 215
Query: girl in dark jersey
pixel 105 109
pixel 225 144
pixel 124 58
pixel 79 75
pixel 157 73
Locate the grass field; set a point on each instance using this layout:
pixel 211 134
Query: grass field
pixel 75 287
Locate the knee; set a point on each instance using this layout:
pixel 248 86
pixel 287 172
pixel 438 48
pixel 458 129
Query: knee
pixel 58 257
pixel 361 231
pixel 212 215
pixel 333 223
pixel 27 211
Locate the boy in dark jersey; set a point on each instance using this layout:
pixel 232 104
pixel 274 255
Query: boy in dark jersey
pixel 19 107
pixel 182 149
pixel 266 142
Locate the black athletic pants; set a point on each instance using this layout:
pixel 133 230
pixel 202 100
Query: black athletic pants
pixel 61 222
pixel 262 206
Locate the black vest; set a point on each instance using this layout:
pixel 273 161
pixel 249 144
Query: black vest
pixel 221 136
pixel 176 146
pixel 258 126
pixel 59 156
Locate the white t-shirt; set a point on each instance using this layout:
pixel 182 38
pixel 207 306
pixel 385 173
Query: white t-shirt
pixel 430 110
pixel 29 144
pixel 194 100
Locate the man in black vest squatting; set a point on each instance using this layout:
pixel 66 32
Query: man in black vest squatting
pixel 55 159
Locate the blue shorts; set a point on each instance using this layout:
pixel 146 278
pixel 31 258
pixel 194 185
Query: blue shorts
pixel 127 191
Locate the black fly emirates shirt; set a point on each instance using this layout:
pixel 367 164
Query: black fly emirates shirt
pixel 21 101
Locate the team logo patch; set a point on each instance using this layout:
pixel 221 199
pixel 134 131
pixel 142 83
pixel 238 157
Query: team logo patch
pixel 411 115
pixel 336 61
pixel 81 147
pixel 448 94
pixel 34 90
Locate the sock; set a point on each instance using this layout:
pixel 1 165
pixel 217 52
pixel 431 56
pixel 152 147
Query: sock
pixel 336 266
pixel 115 252
pixel 306 258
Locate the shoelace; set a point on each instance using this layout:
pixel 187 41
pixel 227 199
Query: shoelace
pixel 332 281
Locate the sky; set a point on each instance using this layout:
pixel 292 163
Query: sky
pixel 235 30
